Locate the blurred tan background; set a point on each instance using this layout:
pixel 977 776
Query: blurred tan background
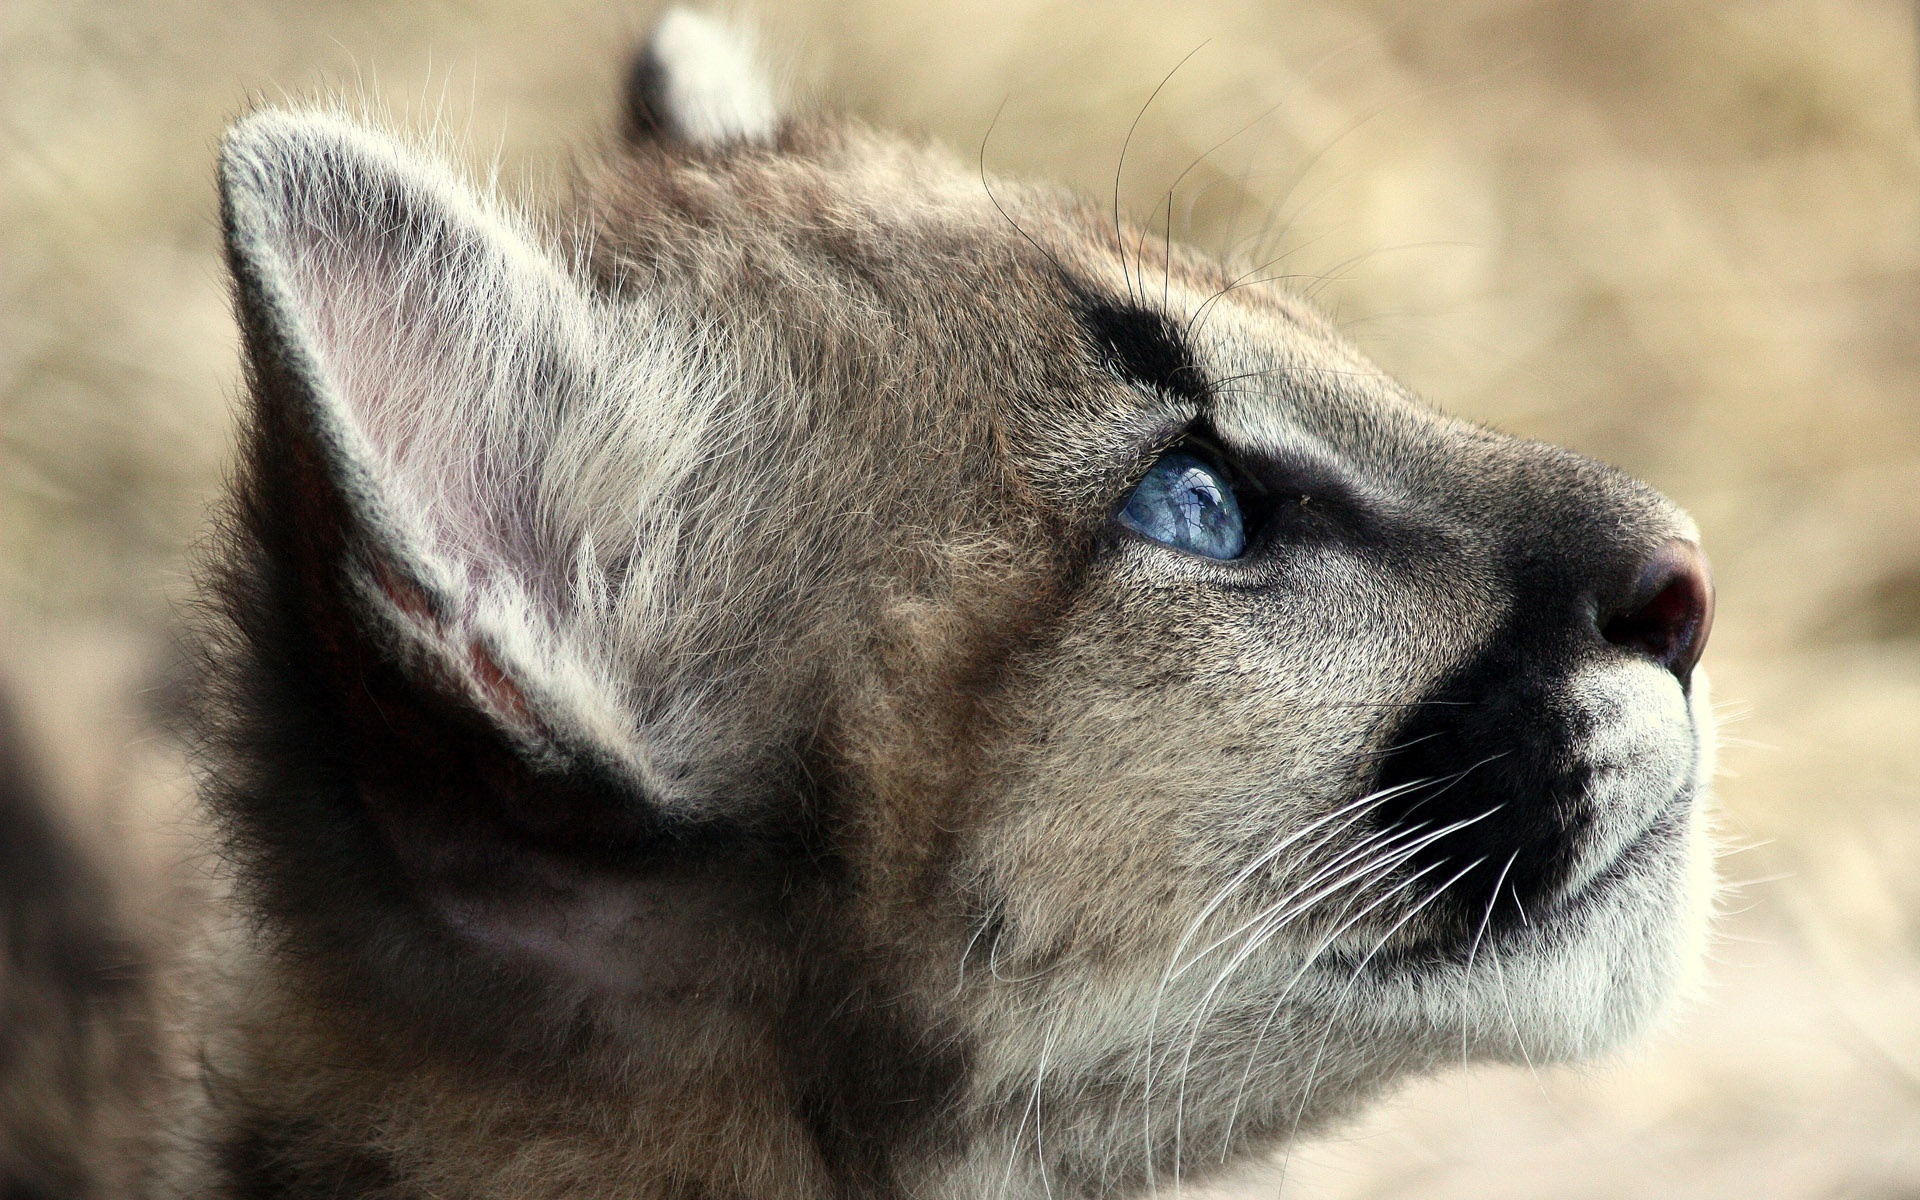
pixel 1680 236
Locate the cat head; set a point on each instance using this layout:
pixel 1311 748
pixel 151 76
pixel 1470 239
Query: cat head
pixel 802 618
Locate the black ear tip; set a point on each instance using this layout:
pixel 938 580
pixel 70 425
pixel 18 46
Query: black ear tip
pixel 697 80
pixel 643 110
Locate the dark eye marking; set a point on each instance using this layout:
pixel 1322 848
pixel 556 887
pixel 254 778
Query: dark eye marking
pixel 1144 347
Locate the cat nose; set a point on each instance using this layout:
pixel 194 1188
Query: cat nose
pixel 1670 610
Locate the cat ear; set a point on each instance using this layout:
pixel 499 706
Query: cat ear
pixel 408 593
pixel 413 351
pixel 696 80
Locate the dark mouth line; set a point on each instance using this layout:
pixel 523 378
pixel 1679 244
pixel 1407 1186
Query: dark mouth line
pixel 1424 951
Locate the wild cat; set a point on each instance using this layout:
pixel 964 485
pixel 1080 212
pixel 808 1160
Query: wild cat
pixel 809 673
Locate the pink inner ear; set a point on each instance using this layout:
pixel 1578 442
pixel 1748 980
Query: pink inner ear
pixel 407 596
pixel 498 687
pixel 419 352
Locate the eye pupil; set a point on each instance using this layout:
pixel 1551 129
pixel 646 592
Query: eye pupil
pixel 1188 505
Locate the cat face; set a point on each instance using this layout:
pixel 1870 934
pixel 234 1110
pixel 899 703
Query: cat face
pixel 1029 705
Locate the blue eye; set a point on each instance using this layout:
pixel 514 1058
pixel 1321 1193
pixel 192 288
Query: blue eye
pixel 1186 504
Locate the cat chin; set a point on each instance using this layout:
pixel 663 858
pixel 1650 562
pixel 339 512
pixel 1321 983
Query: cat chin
pixel 1601 964
pixel 1572 983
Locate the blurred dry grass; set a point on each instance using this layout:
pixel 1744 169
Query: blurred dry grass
pixel 1684 237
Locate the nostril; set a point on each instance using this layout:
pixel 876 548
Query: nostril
pixel 1670 612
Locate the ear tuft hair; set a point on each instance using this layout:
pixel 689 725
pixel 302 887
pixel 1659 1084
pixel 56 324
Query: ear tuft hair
pixel 697 80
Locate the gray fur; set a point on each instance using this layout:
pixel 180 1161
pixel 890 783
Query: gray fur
pixel 953 841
